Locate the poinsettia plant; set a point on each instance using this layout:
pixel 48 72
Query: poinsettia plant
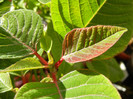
pixel 62 49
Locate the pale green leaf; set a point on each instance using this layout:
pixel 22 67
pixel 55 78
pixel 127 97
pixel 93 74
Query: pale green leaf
pixel 69 14
pixel 19 34
pixel 110 68
pixel 5 82
pixel 24 64
pixel 81 84
pixel 1 1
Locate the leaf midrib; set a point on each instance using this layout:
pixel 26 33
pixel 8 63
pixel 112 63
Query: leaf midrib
pixel 95 13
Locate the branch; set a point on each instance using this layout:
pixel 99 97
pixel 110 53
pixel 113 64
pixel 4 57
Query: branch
pixel 57 64
pixel 40 58
pixel 55 81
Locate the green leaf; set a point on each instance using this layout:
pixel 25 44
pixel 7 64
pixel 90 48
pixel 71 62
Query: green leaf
pixel 69 14
pixel 7 95
pixel 117 13
pixel 44 1
pixel 4 63
pixel 23 30
pixel 5 82
pixel 65 68
pixel 81 84
pixel 57 42
pixel 24 64
pixel 4 6
pixel 1 1
pixel 57 49
pixel 19 4
pixel 46 42
pixel 110 68
pixel 83 44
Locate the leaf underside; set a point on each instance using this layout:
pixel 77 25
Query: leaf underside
pixel 20 31
pixel 83 44
pixel 84 89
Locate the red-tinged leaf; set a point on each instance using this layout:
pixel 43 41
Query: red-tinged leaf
pixel 83 44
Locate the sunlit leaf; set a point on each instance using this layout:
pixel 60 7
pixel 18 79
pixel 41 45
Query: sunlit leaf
pixel 24 64
pixel 116 13
pixel 81 84
pixel 70 14
pixel 20 33
pixel 5 82
pixel 83 44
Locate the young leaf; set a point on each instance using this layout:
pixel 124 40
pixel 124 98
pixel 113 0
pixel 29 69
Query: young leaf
pixel 5 82
pixel 24 64
pixel 83 44
pixel 20 33
pixel 70 14
pixel 81 84
pixel 109 68
pixel 114 13
pixel 46 42
pixel 57 42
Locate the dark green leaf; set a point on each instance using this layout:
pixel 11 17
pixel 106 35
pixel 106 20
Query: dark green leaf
pixel 7 95
pixel 4 6
pixel 110 68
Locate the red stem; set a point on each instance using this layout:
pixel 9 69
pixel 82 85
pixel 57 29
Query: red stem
pixel 57 64
pixel 46 72
pixel 40 58
pixel 55 81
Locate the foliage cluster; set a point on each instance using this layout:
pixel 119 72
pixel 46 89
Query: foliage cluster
pixel 62 49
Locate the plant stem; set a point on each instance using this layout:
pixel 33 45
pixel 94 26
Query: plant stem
pixel 40 58
pixel 55 81
pixel 57 64
pixel 47 73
